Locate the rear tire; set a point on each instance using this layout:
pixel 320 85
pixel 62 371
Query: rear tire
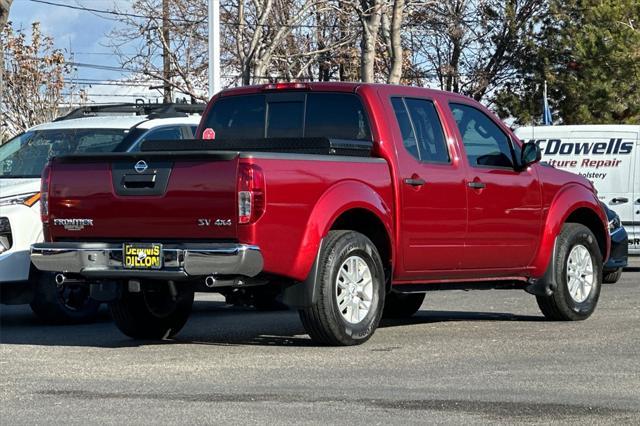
pixel 66 304
pixel 402 305
pixel 351 291
pixel 578 274
pixel 152 313
pixel 612 277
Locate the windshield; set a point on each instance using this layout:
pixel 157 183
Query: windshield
pixel 26 155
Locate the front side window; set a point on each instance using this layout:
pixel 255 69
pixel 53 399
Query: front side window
pixel 421 129
pixel 485 143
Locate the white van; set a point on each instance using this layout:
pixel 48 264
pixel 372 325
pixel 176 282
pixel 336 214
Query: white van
pixel 605 154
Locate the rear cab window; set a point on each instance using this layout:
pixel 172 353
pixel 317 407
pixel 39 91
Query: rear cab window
pixel 290 115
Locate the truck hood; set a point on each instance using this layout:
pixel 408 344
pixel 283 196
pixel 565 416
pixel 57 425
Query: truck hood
pixel 550 173
pixel 14 186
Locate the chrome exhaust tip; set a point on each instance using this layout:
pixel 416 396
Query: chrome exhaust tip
pixel 60 279
pixel 210 281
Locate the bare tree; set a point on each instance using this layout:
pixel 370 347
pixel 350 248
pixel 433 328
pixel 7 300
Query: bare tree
pixel 263 27
pixel 369 13
pixel 468 46
pixel 33 79
pixel 168 47
pixel 5 5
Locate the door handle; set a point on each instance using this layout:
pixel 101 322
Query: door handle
pixel 415 181
pixel 619 200
pixel 476 185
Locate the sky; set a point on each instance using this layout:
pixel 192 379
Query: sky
pixel 85 35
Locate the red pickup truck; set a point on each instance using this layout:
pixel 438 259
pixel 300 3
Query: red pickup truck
pixel 346 201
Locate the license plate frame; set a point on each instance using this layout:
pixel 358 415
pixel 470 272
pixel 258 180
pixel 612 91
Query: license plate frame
pixel 151 258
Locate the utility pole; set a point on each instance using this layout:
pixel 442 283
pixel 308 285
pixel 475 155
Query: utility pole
pixel 166 45
pixel 214 47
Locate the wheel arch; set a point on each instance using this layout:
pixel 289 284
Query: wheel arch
pixel 369 224
pixel 591 220
pixel 348 205
pixel 574 204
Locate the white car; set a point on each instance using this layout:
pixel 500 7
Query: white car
pixel 22 160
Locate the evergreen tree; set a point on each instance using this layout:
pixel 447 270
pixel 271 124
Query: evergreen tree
pixel 589 53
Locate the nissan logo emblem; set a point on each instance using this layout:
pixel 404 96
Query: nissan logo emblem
pixel 141 166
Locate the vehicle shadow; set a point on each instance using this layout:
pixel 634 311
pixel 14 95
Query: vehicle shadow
pixel 211 323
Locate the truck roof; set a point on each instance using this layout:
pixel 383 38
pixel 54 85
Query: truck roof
pixel 322 86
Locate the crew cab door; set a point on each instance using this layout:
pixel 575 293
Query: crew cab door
pixel 505 205
pixel 432 192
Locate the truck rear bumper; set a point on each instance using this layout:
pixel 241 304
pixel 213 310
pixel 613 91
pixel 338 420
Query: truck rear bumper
pixel 180 261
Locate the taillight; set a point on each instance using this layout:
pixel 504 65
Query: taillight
pixel 251 196
pixel 44 193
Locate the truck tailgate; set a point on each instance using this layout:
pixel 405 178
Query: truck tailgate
pixel 144 197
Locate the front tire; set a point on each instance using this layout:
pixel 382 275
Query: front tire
pixel 155 312
pixel 351 291
pixel 66 304
pixel 578 273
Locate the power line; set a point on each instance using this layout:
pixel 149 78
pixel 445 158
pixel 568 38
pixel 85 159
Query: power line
pixel 101 53
pixel 106 95
pixel 134 15
pixel 103 11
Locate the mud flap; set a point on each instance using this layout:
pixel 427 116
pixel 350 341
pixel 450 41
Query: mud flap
pixel 546 285
pixel 304 294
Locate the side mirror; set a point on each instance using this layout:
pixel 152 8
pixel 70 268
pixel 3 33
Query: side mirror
pixel 531 154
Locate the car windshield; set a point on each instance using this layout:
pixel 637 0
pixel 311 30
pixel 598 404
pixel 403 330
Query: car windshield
pixel 27 154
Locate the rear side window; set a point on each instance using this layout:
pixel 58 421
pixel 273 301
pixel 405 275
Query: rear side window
pixel 406 129
pixel 162 134
pixel 309 115
pixel 168 133
pixel 485 143
pixel 421 130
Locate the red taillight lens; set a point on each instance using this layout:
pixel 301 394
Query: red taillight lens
pixel 251 193
pixel 44 193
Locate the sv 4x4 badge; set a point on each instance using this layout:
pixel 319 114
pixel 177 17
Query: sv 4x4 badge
pixel 217 222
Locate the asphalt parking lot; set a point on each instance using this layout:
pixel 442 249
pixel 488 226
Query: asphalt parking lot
pixel 467 357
